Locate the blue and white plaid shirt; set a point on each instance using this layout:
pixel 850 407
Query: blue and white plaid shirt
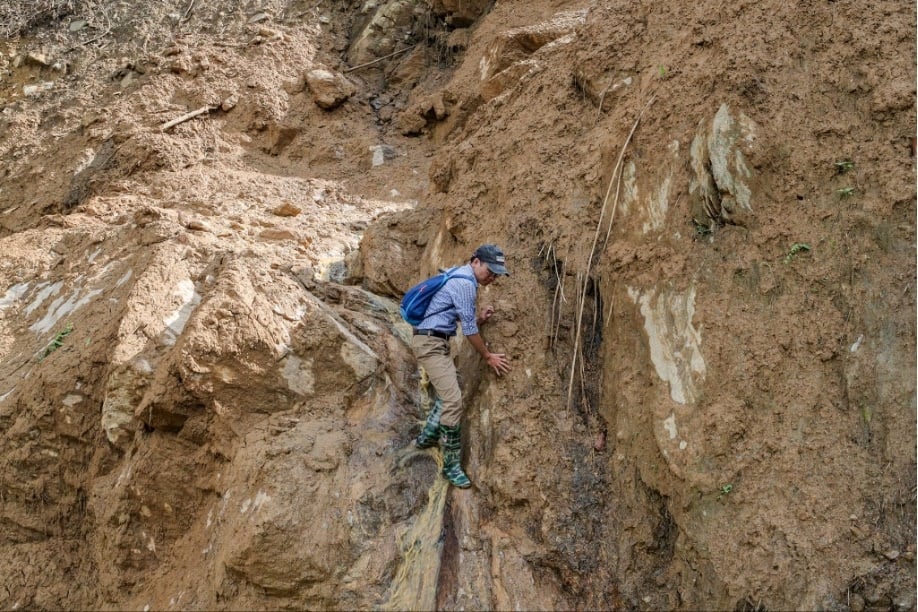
pixel 456 300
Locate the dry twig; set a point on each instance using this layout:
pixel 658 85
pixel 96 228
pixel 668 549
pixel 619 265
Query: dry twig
pixel 554 323
pixel 187 116
pixel 379 59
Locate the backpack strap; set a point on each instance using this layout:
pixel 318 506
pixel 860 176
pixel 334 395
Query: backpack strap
pixel 449 276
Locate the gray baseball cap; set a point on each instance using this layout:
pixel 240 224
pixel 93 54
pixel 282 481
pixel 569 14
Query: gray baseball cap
pixel 491 255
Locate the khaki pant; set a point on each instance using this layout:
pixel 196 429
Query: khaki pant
pixel 433 355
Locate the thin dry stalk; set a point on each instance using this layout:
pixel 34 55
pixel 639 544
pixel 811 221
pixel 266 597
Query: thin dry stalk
pixel 552 315
pixel 558 300
pixel 615 172
pixel 379 59
pixel 556 315
pixel 187 116
pixel 618 191
pixel 596 306
pixel 605 323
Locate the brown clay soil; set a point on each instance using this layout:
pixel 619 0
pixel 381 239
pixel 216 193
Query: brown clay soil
pixel 207 398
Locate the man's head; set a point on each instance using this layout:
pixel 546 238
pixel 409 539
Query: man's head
pixel 488 263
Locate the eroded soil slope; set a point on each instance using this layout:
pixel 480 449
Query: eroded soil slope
pixel 208 210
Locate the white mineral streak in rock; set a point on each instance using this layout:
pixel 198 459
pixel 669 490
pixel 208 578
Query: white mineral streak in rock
pixel 675 345
pixel 124 476
pixel 857 343
pixel 7 394
pixel 657 207
pixel 72 400
pixel 45 292
pixel 436 249
pixel 629 188
pixel 670 426
pixel 125 278
pixel 12 295
pixel 190 299
pixel 60 308
pixel 261 498
pixel 223 504
pixel 299 374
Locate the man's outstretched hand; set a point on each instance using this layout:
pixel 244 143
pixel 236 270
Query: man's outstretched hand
pixel 499 363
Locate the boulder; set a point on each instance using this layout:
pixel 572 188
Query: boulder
pixel 392 249
pixel 329 89
pixel 509 58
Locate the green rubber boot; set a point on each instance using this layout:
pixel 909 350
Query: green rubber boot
pixel 430 435
pixel 452 456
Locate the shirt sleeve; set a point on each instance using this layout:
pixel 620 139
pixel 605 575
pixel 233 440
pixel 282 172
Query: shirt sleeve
pixel 466 292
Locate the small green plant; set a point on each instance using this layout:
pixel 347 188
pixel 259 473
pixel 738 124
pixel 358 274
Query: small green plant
pixel 845 192
pixel 844 166
pixel 662 70
pixel 796 248
pixel 57 342
pixel 725 490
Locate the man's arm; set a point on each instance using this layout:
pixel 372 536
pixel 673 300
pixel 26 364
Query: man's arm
pixel 498 361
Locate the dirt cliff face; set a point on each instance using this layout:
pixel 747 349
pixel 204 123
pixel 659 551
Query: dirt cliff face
pixel 208 211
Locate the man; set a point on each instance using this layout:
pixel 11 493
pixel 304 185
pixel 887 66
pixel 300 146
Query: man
pixel 455 301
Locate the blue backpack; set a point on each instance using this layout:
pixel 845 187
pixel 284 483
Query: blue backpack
pixel 417 299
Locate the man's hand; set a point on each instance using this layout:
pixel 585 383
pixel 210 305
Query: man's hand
pixel 499 363
pixel 485 314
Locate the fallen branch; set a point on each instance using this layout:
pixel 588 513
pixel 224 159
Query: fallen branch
pixel 187 116
pixel 379 59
